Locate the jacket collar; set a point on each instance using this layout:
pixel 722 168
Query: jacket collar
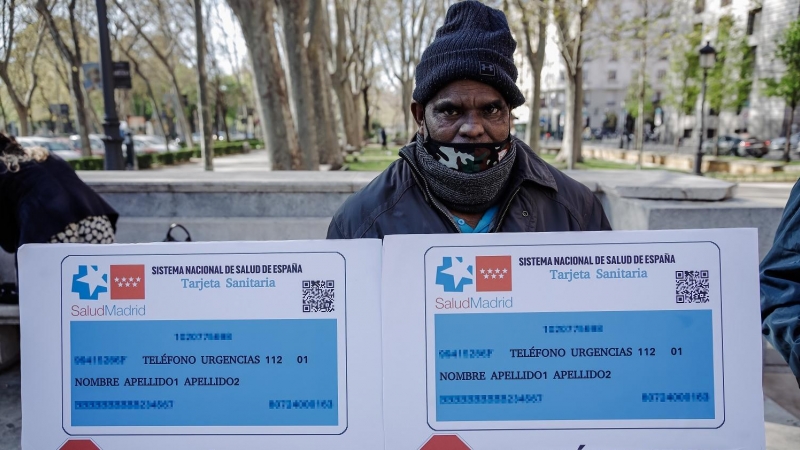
pixel 528 166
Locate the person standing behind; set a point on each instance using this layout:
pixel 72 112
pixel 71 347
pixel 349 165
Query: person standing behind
pixel 42 200
pixel 383 138
pixel 780 286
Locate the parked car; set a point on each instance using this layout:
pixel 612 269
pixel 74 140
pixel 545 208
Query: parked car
pixel 95 141
pixel 728 145
pixel 235 136
pixel 149 144
pixel 54 146
pixel 778 144
pixel 752 146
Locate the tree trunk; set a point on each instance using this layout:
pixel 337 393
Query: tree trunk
pixel 407 90
pixel 224 118
pixel 203 111
pixel 640 122
pixel 294 16
pixel 678 132
pixel 257 20
pixel 3 129
pixel 180 112
pixel 19 106
pixel 24 124
pixel 577 117
pixel 536 61
pixel 327 141
pixel 365 98
pixel 347 109
pixel 342 85
pixel 533 130
pixel 80 109
pixel 565 155
pixel 787 147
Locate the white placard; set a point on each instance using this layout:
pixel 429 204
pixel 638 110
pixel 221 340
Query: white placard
pixel 603 340
pixel 245 345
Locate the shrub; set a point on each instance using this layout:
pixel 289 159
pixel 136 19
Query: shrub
pixel 145 161
pixel 167 159
pixel 87 163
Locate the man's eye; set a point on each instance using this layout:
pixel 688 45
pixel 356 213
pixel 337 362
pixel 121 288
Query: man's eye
pixel 449 112
pixel 492 110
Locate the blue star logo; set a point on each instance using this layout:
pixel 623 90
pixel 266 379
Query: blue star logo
pixel 454 274
pixel 89 282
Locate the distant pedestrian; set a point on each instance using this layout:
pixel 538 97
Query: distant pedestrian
pixel 383 138
pixel 42 200
pixel 130 154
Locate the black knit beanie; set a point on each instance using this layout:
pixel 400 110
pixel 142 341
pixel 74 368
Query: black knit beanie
pixel 474 43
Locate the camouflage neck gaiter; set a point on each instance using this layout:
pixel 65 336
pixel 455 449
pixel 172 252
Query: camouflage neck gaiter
pixel 462 191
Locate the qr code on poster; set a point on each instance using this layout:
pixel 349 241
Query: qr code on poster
pixel 318 296
pixel 691 286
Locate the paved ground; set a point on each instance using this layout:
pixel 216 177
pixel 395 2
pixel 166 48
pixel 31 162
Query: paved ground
pixel 783 428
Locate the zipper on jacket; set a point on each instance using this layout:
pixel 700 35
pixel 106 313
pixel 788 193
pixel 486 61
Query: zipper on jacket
pixel 505 210
pixel 417 177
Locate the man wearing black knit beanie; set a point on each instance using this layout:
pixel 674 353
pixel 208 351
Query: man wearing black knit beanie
pixel 464 172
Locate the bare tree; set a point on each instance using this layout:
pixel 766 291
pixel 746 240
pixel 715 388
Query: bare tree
pixel 127 50
pixel 295 14
pixel 345 53
pixel 22 99
pixel 203 111
pixel 166 56
pixel 257 19
pixel 533 19
pixel 72 57
pixel 319 48
pixel 570 18
pixel 416 23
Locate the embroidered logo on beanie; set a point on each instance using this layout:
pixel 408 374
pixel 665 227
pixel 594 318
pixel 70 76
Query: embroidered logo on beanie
pixel 487 69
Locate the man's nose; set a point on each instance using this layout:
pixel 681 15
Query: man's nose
pixel 472 127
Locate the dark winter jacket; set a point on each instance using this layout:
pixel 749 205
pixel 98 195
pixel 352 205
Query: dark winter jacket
pixel 42 199
pixel 538 197
pixel 780 286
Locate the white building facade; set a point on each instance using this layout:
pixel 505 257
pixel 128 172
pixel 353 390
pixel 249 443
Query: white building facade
pixel 612 66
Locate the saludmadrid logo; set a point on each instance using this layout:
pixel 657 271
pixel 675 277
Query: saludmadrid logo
pixel 108 311
pixel 115 282
pixel 475 303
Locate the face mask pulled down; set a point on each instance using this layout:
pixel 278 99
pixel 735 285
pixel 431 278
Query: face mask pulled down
pixel 465 177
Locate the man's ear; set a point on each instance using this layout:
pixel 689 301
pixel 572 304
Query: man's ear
pixel 418 111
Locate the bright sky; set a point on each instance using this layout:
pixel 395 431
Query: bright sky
pixel 230 24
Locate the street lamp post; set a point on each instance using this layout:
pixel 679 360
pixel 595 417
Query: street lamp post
pixel 708 57
pixel 112 139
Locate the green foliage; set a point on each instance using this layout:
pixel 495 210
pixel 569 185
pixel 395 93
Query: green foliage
pixel 632 98
pixel 787 86
pixel 149 160
pixel 684 88
pixel 731 78
pixel 145 161
pixel 87 163
pixel 744 82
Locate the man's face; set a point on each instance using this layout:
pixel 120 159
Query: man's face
pixel 465 111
